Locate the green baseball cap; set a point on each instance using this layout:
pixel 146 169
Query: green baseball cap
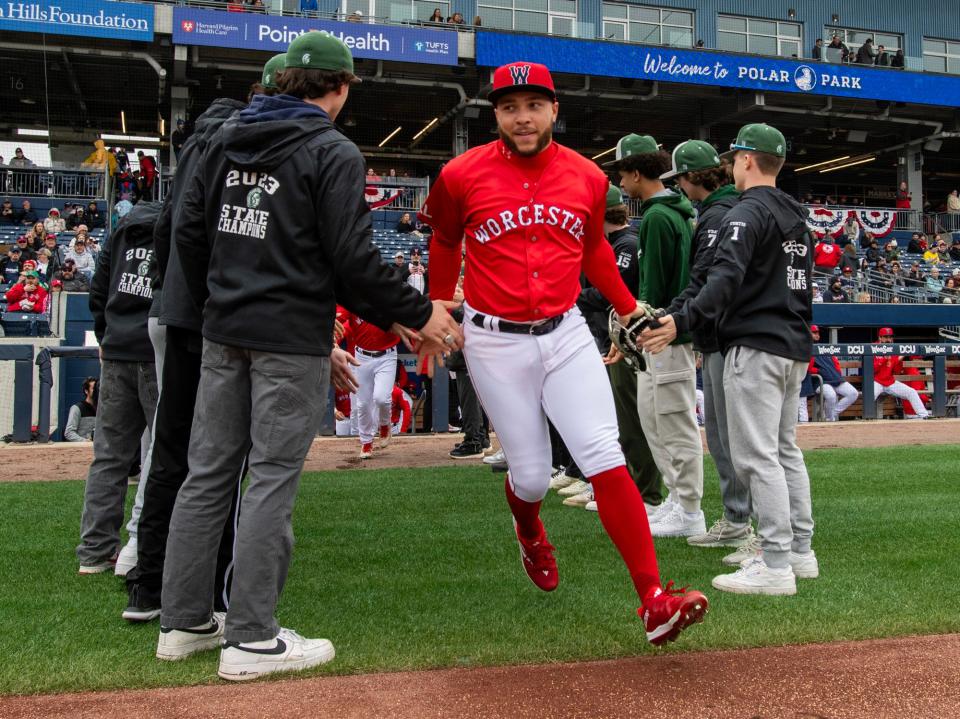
pixel 759 137
pixel 614 196
pixel 319 50
pixel 690 156
pixel 633 144
pixel 274 64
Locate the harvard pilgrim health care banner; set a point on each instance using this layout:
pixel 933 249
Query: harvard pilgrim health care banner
pixel 703 67
pixel 86 18
pixel 252 31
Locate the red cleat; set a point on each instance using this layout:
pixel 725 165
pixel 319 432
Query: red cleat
pixel 384 436
pixel 670 612
pixel 366 450
pixel 538 561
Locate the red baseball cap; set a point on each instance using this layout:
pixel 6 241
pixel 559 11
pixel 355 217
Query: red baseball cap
pixel 814 328
pixel 518 76
pixel 885 332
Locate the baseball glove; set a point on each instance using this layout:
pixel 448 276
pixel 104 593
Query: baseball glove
pixel 624 337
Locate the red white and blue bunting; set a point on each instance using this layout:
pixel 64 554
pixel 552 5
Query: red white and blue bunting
pixel 823 221
pixel 879 222
pixel 379 197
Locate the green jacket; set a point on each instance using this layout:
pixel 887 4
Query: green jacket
pixel 665 234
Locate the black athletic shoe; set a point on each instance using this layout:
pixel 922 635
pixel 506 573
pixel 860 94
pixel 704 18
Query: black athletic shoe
pixel 465 450
pixel 141 607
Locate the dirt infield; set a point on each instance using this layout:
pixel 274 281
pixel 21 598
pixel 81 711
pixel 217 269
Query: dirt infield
pixel 912 677
pixel 68 460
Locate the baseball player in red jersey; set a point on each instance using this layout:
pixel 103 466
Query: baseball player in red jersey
pixel 400 411
pixel 885 371
pixel 531 212
pixel 376 353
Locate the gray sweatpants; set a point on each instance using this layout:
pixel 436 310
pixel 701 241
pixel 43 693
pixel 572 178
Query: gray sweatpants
pixel 734 495
pixel 128 401
pixel 762 391
pixel 272 404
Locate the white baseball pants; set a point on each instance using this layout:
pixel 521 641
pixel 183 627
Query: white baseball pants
pixel 837 399
pixel 376 376
pixel 903 392
pixel 522 380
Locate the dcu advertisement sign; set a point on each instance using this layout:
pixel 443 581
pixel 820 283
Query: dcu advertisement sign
pixel 719 69
pixel 88 18
pixel 274 33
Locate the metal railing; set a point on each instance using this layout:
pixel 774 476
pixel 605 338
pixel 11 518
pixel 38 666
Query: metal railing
pixel 885 288
pixel 934 222
pixel 68 183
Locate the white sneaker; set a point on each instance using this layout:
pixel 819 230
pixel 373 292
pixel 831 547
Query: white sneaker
pixel 654 511
pixel 175 644
pixel 291 652
pixel 559 480
pixel 495 458
pixel 591 506
pixel 755 577
pixel 805 566
pixel 579 500
pixel 678 523
pixel 723 533
pixel 127 559
pixel 577 486
pixel 749 549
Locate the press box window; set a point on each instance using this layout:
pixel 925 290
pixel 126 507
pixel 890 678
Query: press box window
pixel 758 37
pixel 941 56
pixel 647 25
pixel 548 17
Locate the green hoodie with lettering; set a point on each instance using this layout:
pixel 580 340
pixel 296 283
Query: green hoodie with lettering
pixel 665 234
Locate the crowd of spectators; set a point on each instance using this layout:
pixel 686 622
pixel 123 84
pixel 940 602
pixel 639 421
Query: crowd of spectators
pixel 866 54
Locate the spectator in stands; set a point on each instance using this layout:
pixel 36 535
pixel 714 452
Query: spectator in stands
pixel 477 22
pixel 126 185
pixel 28 295
pixel 898 59
pixel 355 16
pixel 77 219
pixel 19 160
pixel 8 215
pixel 56 254
pixel 123 160
pixel 405 226
pixel 953 204
pixel 45 266
pixel 934 285
pixel 891 251
pixel 932 255
pixel 10 266
pixel 851 229
pixel 863 298
pixel 848 279
pixel 904 198
pixel 82 259
pixel 837 45
pixel 71 280
pixel 896 275
pixel 883 57
pixel 148 171
pixel 942 251
pixel 23 242
pixel 865 239
pixel 873 252
pixel 82 417
pixel 26 216
pixel 915 277
pixel 836 293
pixel 437 16
pixel 180 135
pixel 885 371
pixel 917 244
pixel 35 236
pixel 94 218
pixel 817 52
pixel 849 258
pixel 954 250
pixel 400 263
pixel 418 272
pixel 54 224
pixel 866 55
pixel 817 294
pixel 457 19
pixel 951 288
pixel 100 159
pixel 826 256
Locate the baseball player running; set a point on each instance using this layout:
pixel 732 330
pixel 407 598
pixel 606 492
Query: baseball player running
pixel 702 177
pixel 758 292
pixel 885 371
pixel 532 215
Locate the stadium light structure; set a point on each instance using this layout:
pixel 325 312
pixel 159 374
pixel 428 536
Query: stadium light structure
pixel 430 124
pixel 849 164
pixel 821 164
pixel 390 136
pixel 123 122
pixel 30 132
pixel 128 138
pixel 605 152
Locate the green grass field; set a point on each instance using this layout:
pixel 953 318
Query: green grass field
pixel 414 569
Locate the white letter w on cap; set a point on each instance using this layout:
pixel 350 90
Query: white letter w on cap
pixel 519 74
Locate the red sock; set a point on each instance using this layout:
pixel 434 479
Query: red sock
pixel 526 514
pixel 625 519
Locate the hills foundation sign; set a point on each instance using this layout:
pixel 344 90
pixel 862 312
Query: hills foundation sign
pixel 87 18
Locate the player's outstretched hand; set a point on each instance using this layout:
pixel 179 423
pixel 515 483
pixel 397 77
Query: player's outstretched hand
pixel 642 310
pixel 338 331
pixel 340 373
pixel 657 340
pixel 613 356
pixel 410 337
pixel 442 332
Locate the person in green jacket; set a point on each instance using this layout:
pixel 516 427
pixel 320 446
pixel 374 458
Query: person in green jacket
pixel 666 386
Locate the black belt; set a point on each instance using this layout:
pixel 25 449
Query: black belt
pixel 368 353
pixel 519 328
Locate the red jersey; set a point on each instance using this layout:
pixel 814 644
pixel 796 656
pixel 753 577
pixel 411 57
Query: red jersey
pixel 400 407
pixel 531 224
pixel 884 369
pixel 341 401
pixel 826 254
pixel 366 335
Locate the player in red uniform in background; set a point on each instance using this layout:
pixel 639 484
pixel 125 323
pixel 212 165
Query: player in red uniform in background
pixel 885 370
pixel 532 214
pixel 400 410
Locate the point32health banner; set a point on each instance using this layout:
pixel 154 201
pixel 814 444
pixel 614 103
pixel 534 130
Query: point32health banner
pixel 701 67
pixel 250 31
pixel 86 18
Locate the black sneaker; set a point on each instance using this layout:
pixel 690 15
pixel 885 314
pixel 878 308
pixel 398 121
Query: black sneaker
pixel 141 606
pixel 465 450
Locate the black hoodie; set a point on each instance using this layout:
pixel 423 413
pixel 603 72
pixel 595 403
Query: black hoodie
pixel 279 217
pixel 759 287
pixel 122 288
pixel 593 305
